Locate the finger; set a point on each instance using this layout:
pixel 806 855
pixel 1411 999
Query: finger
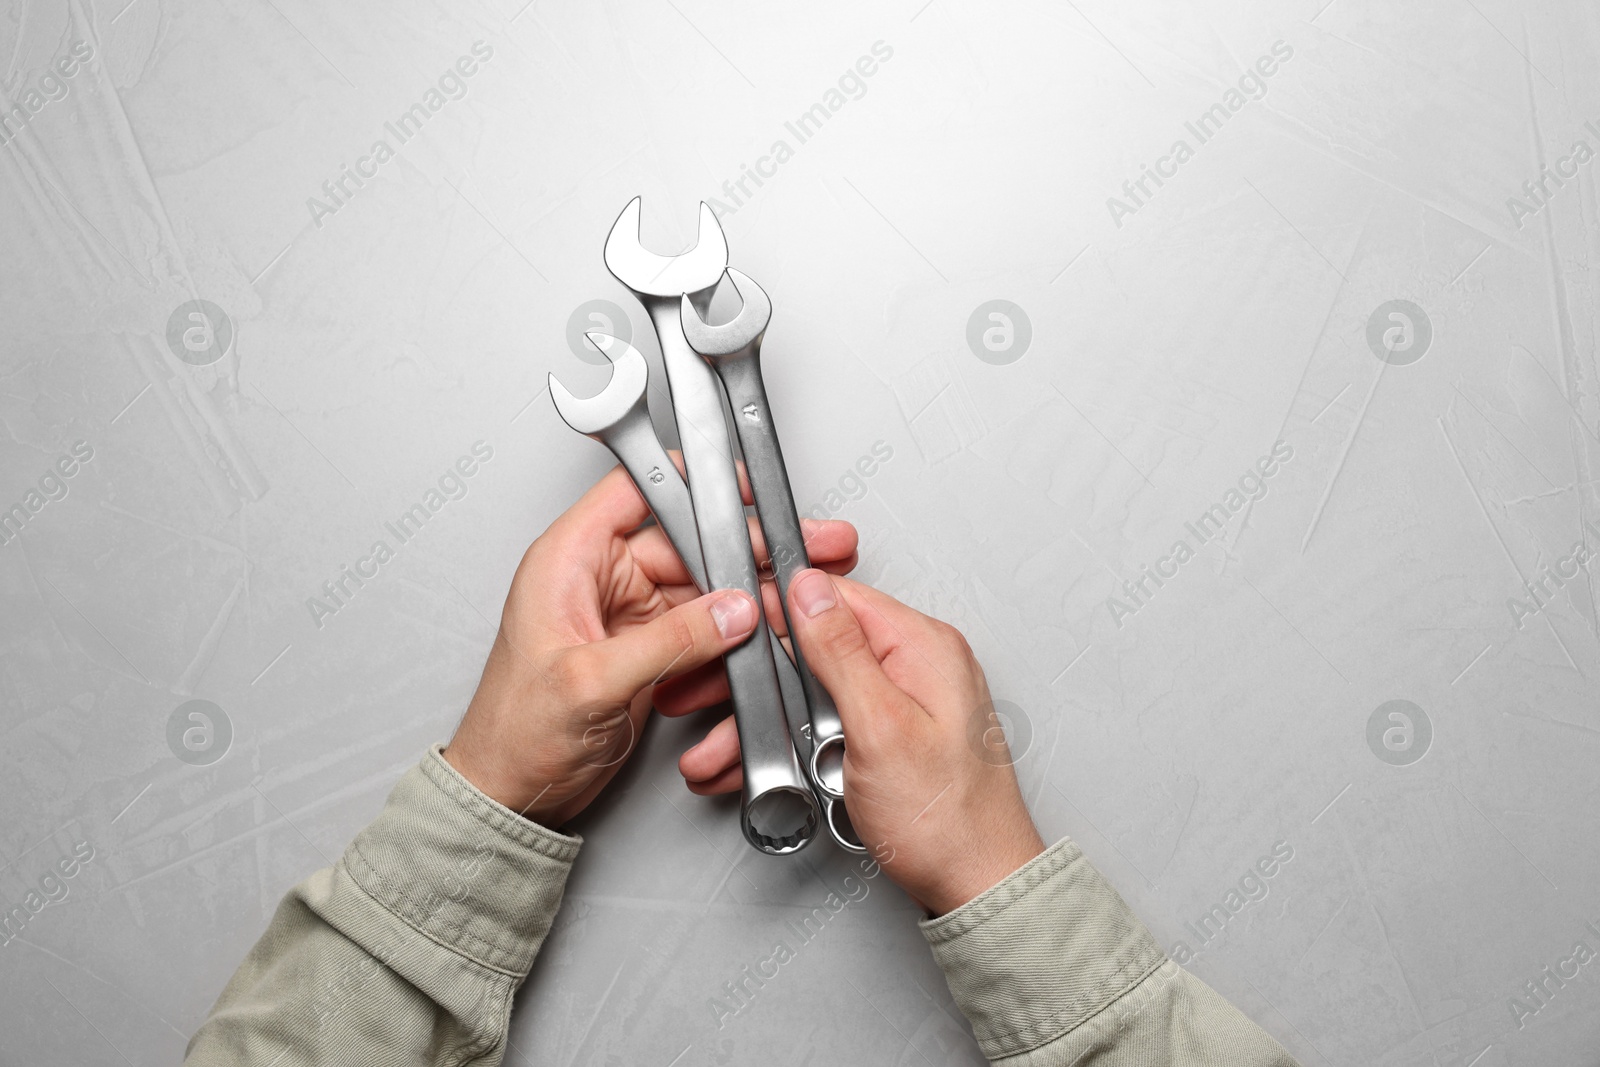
pixel 826 541
pixel 692 691
pixel 888 624
pixel 715 754
pixel 843 658
pixel 829 540
pixel 830 543
pixel 729 781
pixel 745 492
pixel 675 593
pixel 772 597
pixel 923 656
pixel 842 565
pixel 616 669
pixel 772 605
pixel 656 558
pixel 612 505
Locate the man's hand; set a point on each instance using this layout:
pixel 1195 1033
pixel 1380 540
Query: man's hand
pixel 600 611
pixel 927 779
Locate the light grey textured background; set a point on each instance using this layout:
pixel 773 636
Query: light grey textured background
pixel 1173 343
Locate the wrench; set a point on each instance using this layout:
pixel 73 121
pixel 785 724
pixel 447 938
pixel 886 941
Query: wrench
pixel 779 813
pixel 734 350
pixel 619 417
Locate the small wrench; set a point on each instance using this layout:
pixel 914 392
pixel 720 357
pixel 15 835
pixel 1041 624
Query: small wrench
pixel 619 417
pixel 734 351
pixel 779 813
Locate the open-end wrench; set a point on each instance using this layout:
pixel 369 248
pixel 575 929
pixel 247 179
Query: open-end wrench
pixel 619 417
pixel 779 813
pixel 734 350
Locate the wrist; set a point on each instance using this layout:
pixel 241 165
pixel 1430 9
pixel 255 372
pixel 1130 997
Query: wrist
pixel 498 783
pixel 977 870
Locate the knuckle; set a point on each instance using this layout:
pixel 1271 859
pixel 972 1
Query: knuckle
pixel 845 642
pixel 681 632
pixel 952 640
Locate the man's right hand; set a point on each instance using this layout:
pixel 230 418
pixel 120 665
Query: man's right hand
pixel 927 778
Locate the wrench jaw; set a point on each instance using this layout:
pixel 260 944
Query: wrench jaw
pixel 613 404
pixel 739 338
pixel 649 274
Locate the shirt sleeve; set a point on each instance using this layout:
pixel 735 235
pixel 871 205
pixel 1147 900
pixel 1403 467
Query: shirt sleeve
pixel 406 951
pixel 1052 969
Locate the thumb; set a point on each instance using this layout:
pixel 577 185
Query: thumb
pixel 617 669
pixel 840 654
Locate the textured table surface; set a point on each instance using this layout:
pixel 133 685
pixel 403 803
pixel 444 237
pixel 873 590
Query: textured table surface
pixel 1053 286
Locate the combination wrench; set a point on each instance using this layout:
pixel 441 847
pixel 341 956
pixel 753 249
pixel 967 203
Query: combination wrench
pixel 779 813
pixel 734 351
pixel 619 417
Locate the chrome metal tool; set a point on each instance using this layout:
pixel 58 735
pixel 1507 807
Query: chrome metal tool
pixel 619 417
pixel 734 351
pixel 779 813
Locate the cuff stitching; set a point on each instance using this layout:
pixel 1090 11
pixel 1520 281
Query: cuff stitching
pixel 541 839
pixel 1060 859
pixel 993 902
pixel 1050 1028
pixel 406 908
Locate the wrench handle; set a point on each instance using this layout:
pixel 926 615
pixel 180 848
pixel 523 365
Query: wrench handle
pixel 779 814
pixel 780 522
pixel 638 449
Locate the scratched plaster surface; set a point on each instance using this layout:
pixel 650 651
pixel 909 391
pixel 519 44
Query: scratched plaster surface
pixel 1199 217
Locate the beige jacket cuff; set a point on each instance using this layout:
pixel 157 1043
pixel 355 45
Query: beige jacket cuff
pixel 462 870
pixel 1037 955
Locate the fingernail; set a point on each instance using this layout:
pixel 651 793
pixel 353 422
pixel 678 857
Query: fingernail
pixel 734 615
pixel 813 593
